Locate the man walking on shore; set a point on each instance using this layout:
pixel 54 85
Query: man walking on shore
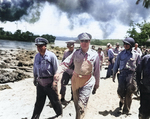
pixel 68 73
pixel 86 73
pixel 126 62
pixel 110 61
pixel 45 66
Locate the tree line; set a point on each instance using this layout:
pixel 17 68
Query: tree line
pixel 27 36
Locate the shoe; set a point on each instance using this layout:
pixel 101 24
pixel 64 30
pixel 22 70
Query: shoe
pixel 49 104
pixel 72 97
pixel 120 105
pixel 127 113
pixel 107 77
pixel 64 102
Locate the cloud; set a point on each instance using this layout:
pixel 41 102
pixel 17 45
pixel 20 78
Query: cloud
pixel 103 19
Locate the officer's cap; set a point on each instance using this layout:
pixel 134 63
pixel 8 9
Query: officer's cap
pixel 84 36
pixel 40 41
pixel 70 43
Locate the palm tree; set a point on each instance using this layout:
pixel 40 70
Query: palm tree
pixel 146 3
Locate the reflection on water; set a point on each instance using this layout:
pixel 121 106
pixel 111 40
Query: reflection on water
pixel 8 44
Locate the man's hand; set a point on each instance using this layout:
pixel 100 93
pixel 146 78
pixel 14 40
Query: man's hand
pixel 95 88
pixel 94 91
pixel 54 86
pixel 113 79
pixel 35 82
pixel 56 76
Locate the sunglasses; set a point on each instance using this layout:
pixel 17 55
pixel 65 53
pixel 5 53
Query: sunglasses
pixel 86 41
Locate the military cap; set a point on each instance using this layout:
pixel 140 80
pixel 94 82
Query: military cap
pixel 84 36
pixel 70 43
pixel 40 41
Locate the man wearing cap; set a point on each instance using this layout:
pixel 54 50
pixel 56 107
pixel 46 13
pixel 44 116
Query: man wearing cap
pixel 86 73
pixel 101 56
pixel 44 69
pixel 111 55
pixel 68 73
pixel 117 49
pixel 127 62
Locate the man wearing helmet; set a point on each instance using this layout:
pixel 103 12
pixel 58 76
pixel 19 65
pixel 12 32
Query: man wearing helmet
pixel 126 62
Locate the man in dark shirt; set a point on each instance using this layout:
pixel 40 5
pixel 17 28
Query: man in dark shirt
pixel 143 80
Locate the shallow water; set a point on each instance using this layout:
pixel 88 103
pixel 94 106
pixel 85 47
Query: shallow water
pixel 8 44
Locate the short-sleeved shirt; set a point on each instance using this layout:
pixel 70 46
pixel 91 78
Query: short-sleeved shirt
pixel 45 66
pixel 101 56
pixel 66 54
pixel 77 57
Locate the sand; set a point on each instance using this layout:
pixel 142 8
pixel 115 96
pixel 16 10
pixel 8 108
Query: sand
pixel 18 102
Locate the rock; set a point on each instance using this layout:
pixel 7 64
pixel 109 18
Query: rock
pixel 11 76
pixel 3 87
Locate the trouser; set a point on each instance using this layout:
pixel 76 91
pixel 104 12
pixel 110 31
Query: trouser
pixel 64 81
pixel 81 92
pixel 110 67
pixel 126 87
pixel 144 110
pixel 42 92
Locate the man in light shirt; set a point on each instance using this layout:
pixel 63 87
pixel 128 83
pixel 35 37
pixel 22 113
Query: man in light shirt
pixel 86 73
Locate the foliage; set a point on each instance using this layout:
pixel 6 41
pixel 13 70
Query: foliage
pixel 146 3
pixel 104 42
pixel 24 36
pixel 142 36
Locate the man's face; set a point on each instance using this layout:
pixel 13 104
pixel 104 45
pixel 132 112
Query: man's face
pixel 117 46
pixel 136 45
pixel 127 46
pixel 41 48
pixel 99 50
pixel 84 44
pixel 70 47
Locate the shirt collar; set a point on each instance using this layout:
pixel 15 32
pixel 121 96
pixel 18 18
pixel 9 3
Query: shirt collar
pixel 88 52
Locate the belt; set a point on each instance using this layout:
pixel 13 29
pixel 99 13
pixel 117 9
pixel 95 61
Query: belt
pixel 126 70
pixel 81 76
pixel 45 77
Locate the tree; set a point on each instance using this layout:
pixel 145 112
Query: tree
pixel 146 3
pixel 142 36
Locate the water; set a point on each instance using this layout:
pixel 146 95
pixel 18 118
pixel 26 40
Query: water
pixel 8 44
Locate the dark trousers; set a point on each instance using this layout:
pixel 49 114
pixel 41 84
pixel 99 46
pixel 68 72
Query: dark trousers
pixel 42 92
pixel 126 87
pixel 144 110
pixel 110 67
pixel 64 81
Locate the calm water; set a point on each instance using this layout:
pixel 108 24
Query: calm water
pixel 7 44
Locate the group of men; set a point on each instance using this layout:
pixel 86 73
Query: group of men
pixel 83 66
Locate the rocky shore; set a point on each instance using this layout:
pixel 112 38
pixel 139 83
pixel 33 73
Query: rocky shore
pixel 18 94
pixel 17 64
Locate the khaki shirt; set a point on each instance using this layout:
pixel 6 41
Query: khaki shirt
pixel 77 59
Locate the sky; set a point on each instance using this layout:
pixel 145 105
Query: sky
pixel 103 19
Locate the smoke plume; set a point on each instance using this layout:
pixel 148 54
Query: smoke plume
pixel 106 12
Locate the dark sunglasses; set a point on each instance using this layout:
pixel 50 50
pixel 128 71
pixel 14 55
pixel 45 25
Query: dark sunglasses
pixel 86 41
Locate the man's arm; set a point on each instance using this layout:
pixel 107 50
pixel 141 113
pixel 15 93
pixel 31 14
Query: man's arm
pixel 96 72
pixel 115 68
